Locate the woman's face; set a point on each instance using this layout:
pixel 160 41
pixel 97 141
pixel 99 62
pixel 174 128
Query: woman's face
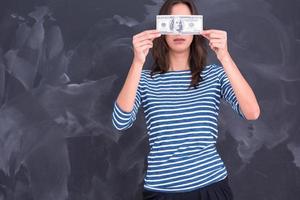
pixel 179 45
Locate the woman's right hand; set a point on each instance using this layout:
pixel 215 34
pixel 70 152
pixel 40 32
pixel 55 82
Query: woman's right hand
pixel 142 42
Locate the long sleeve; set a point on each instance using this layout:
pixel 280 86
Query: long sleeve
pixel 227 91
pixel 123 120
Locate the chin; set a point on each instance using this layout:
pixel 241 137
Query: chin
pixel 179 50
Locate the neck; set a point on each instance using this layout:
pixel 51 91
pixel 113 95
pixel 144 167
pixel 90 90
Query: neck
pixel 179 60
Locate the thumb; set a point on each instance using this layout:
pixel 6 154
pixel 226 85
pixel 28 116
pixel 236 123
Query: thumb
pixel 203 34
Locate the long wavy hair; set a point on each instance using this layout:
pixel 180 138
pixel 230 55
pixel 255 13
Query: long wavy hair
pixel 198 48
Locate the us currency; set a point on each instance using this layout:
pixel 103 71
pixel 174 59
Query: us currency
pixel 179 24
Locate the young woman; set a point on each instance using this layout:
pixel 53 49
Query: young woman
pixel 180 96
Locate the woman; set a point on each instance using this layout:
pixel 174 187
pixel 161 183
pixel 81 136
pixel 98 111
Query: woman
pixel 180 97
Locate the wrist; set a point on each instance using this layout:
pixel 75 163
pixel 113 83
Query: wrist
pixel 137 63
pixel 225 58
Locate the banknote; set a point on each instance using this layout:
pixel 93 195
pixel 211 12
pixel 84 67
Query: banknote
pixel 179 24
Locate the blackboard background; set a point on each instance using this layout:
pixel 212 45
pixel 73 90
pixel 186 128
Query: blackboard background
pixel 63 62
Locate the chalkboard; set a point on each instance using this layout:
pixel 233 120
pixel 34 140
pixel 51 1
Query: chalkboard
pixel 63 63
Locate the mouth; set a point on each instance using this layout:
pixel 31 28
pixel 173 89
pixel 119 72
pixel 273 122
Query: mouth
pixel 179 40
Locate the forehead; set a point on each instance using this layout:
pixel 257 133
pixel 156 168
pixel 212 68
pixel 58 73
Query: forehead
pixel 180 9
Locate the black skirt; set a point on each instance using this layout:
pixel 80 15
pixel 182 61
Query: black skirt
pixel 216 191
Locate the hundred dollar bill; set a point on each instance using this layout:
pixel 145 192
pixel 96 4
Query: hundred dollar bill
pixel 179 24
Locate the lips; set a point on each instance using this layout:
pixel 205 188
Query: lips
pixel 179 40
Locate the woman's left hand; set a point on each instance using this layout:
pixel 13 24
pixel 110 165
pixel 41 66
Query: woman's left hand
pixel 217 42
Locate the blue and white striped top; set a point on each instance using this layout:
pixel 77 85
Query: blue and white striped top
pixel 182 127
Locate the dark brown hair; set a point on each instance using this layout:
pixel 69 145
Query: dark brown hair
pixel 198 48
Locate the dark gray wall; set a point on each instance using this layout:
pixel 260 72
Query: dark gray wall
pixel 62 63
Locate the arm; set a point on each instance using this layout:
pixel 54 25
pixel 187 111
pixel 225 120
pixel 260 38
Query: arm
pixel 129 99
pixel 246 99
pixel 243 92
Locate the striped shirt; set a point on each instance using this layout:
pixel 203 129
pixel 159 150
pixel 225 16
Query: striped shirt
pixel 182 127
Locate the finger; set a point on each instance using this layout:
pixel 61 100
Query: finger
pixel 148 32
pixel 143 39
pixel 153 31
pixel 205 36
pixel 213 48
pixel 148 37
pixel 205 32
pixel 145 47
pixel 217 45
pixel 212 30
pixel 217 40
pixel 143 43
pixel 215 35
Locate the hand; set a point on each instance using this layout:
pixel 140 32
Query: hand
pixel 217 42
pixel 142 42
